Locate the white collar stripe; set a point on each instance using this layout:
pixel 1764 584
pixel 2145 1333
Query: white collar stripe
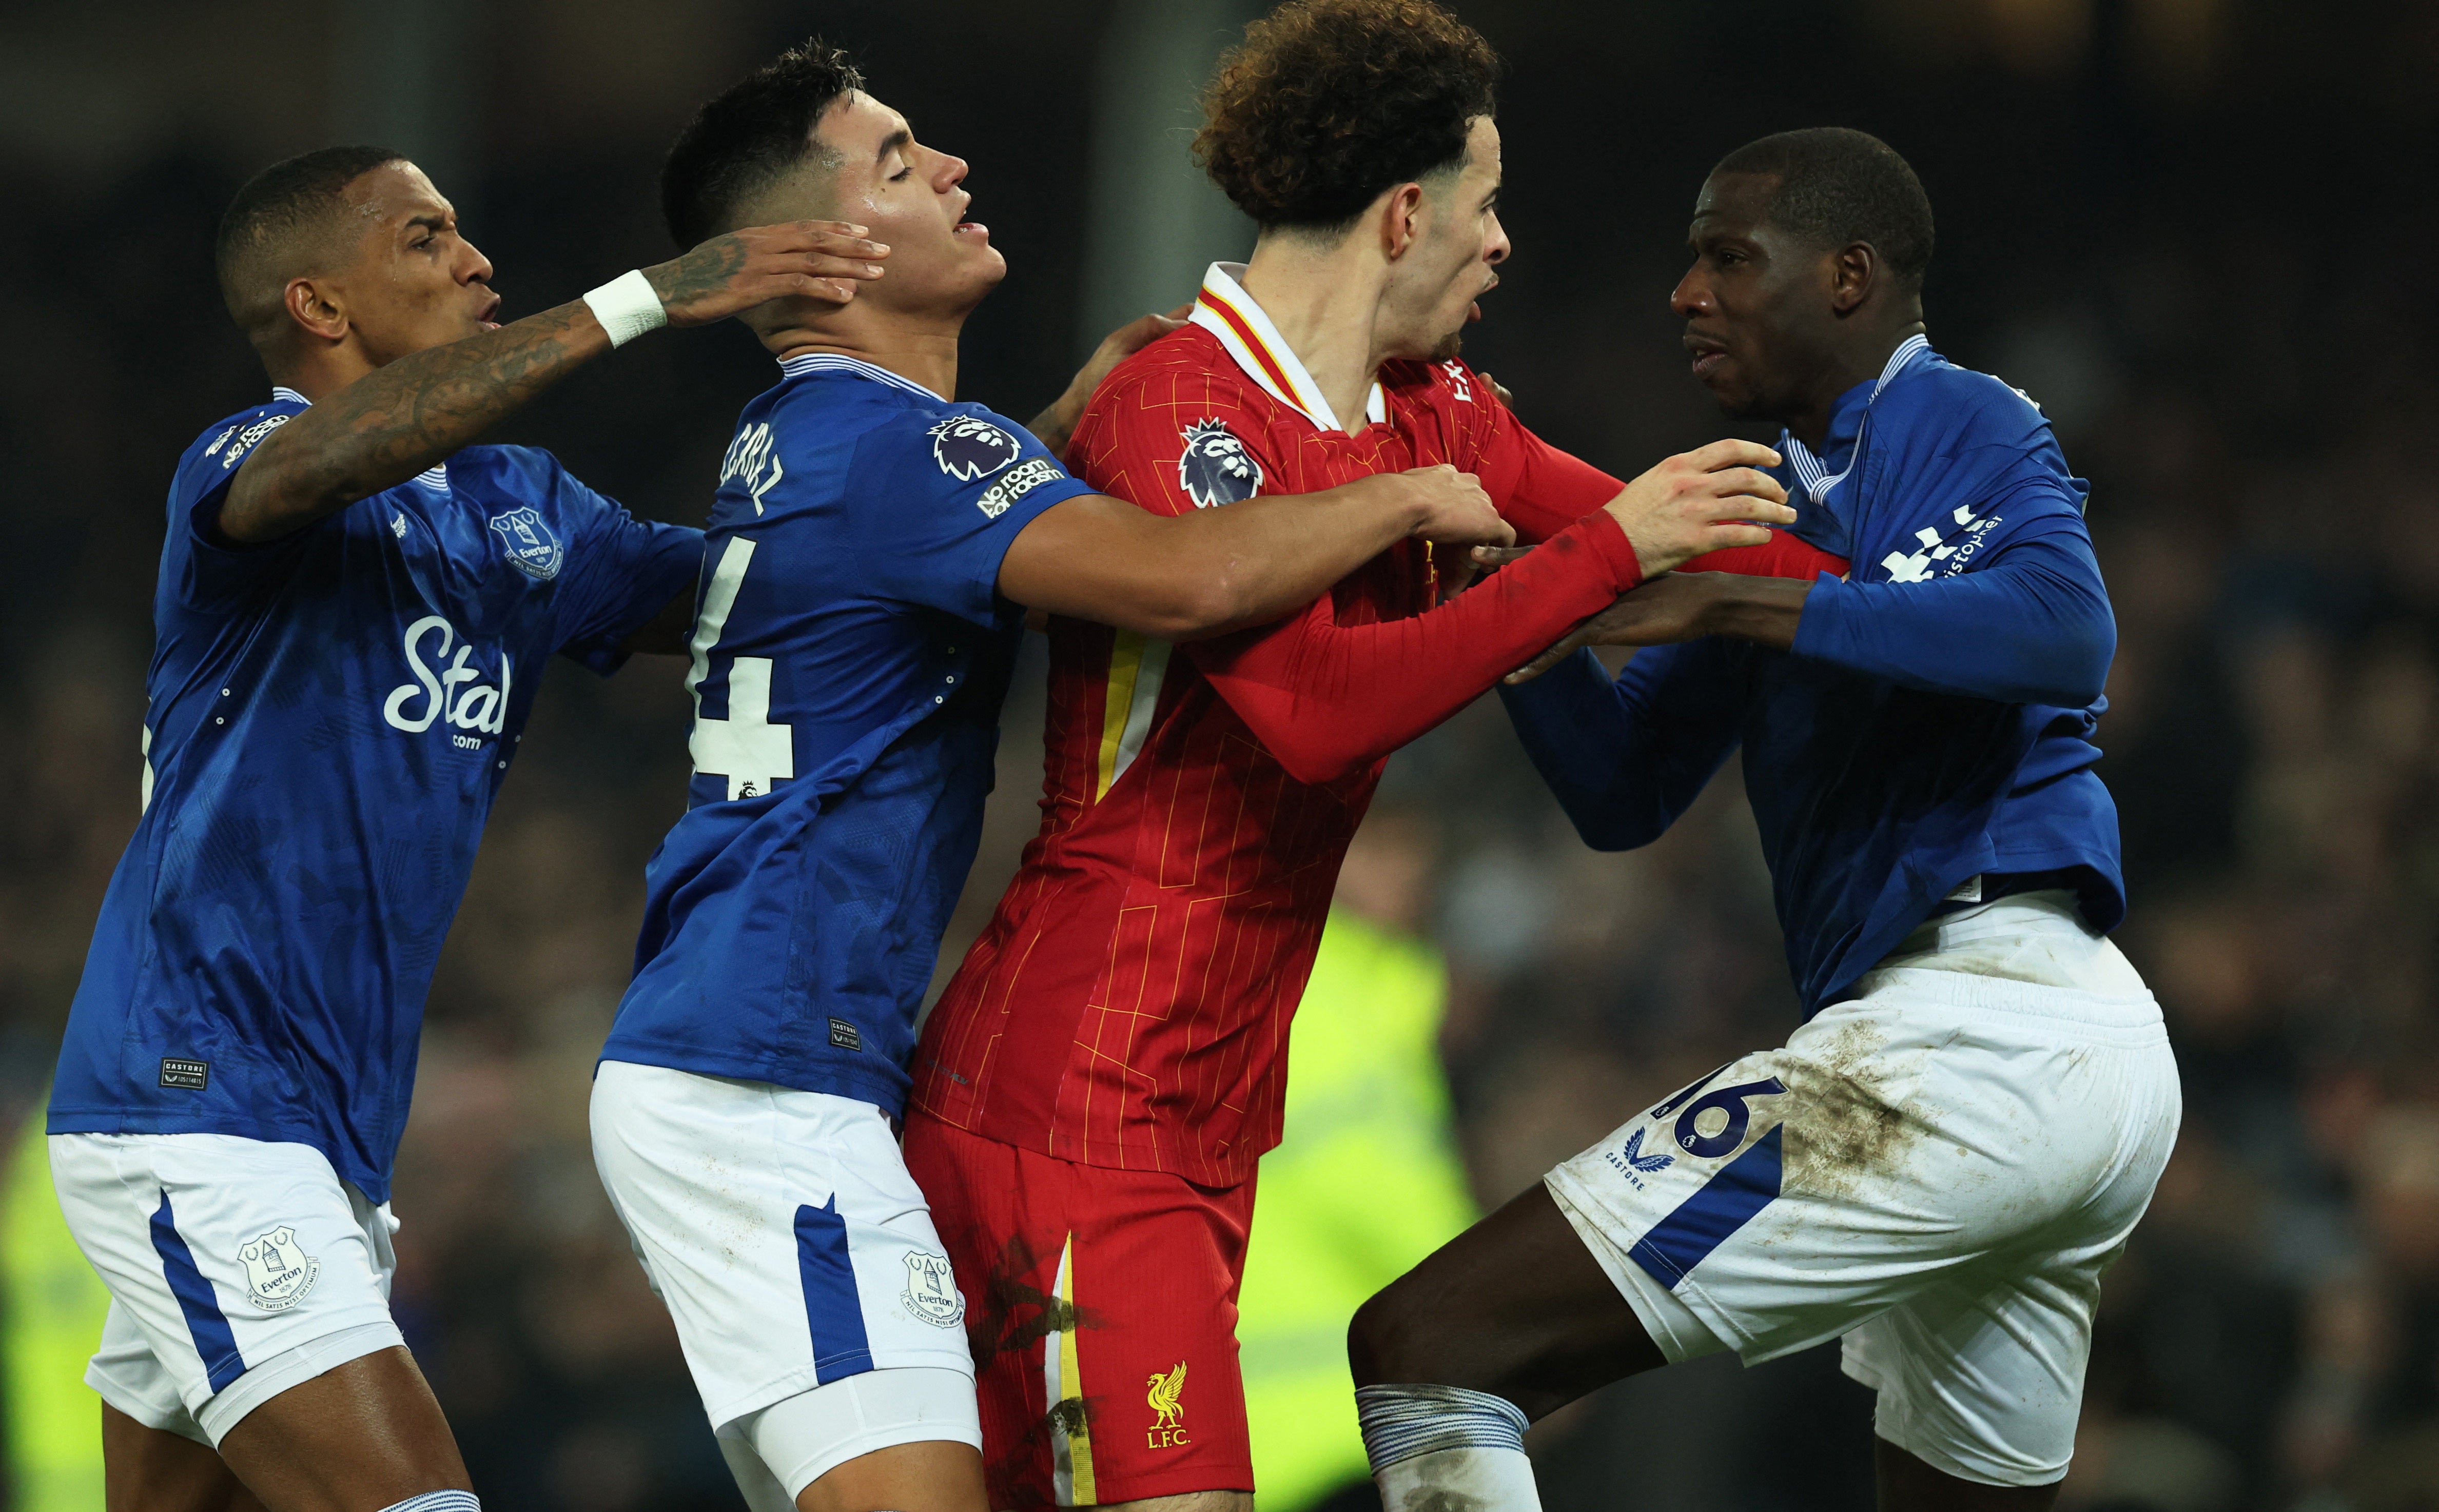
pixel 282 392
pixel 1257 348
pixel 837 363
pixel 1809 470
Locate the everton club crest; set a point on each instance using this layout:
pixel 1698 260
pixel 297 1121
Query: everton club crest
pixel 1214 469
pixel 967 446
pixel 930 1291
pixel 532 547
pixel 278 1273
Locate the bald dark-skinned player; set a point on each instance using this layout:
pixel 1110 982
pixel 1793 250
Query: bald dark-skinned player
pixel 353 608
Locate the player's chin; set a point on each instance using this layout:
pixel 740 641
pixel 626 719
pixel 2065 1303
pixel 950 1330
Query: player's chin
pixel 1447 349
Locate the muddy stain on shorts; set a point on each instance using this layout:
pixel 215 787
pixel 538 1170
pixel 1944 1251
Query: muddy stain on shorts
pixel 1846 1120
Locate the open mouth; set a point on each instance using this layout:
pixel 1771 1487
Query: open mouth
pixel 1708 357
pixel 490 319
pixel 971 228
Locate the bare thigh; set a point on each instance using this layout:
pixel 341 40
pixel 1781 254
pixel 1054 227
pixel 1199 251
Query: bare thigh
pixel 366 1433
pixel 935 1475
pixel 146 1469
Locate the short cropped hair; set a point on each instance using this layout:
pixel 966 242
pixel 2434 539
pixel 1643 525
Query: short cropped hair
pixel 289 221
pixel 1837 186
pixel 1329 103
pixel 748 138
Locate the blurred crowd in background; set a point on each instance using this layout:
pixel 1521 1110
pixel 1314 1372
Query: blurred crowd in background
pixel 2198 232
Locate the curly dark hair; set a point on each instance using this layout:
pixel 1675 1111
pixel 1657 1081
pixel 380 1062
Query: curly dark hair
pixel 1328 102
pixel 758 130
pixel 1838 186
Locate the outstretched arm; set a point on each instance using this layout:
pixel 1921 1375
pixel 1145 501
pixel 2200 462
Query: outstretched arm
pixel 2030 625
pixel 388 426
pixel 1184 577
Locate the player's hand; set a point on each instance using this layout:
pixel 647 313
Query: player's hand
pixel 1665 610
pixel 1497 387
pixel 1700 502
pixel 1448 507
pixel 1054 426
pixel 823 260
pixel 1123 342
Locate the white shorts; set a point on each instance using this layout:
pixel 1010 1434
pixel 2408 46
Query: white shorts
pixel 1938 1169
pixel 797 1259
pixel 236 1269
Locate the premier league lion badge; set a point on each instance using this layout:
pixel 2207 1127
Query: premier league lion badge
pixel 278 1274
pixel 930 1291
pixel 532 547
pixel 1214 469
pixel 967 446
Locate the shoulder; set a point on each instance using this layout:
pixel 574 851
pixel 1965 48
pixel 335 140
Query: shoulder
pixel 1954 405
pixel 214 456
pixel 1185 368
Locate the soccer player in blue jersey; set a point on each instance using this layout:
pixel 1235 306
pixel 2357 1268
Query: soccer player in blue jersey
pixel 353 609
pixel 1940 1163
pixel 871 554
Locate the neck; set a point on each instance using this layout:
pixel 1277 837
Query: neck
pixel 1326 300
pixel 1859 360
pixel 921 348
pixel 321 372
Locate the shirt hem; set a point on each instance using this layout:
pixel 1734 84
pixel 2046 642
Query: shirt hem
pixel 835 1080
pixel 122 1121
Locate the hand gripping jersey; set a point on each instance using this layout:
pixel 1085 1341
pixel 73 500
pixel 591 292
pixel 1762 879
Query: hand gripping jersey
pixel 328 718
pixel 1934 721
pixel 850 655
pixel 1129 1004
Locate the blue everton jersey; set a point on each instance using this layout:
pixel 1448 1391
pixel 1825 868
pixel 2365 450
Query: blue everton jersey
pixel 329 717
pixel 1933 722
pixel 850 655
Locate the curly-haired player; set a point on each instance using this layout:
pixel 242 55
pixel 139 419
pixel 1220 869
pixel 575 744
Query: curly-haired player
pixel 1100 1078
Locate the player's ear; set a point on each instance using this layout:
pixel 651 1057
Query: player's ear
pixel 1852 272
pixel 315 308
pixel 1401 214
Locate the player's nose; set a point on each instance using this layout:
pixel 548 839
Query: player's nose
pixel 950 172
pixel 1692 295
pixel 478 268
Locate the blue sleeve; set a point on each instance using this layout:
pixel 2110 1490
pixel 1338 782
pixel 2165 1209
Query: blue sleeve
pixel 209 570
pixel 1626 757
pixel 624 571
pixel 2022 618
pixel 939 494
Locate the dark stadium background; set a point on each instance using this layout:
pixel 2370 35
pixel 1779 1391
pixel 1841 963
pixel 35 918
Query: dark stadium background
pixel 2199 232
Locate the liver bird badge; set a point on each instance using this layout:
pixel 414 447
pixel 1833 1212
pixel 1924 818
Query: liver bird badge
pixel 1161 1398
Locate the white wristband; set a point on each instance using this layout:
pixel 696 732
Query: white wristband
pixel 627 306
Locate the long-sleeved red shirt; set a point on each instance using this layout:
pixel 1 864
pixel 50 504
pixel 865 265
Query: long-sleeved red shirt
pixel 1129 1003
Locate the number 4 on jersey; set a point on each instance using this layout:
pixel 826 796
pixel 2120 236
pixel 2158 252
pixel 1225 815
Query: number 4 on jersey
pixel 746 748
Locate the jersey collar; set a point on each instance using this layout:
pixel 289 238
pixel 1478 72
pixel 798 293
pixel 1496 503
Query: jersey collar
pixel 1226 310
pixel 1846 419
pixel 281 393
pixel 803 363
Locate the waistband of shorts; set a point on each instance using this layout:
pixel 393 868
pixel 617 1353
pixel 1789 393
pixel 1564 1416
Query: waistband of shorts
pixel 2137 1018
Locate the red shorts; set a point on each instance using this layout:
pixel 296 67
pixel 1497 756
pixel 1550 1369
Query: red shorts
pixel 1102 1309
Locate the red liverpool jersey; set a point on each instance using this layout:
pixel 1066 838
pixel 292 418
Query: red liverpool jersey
pixel 1127 1006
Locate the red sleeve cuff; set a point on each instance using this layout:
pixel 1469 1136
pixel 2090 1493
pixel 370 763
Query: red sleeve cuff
pixel 1601 530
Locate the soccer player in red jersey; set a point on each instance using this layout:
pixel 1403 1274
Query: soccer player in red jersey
pixel 1094 1091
